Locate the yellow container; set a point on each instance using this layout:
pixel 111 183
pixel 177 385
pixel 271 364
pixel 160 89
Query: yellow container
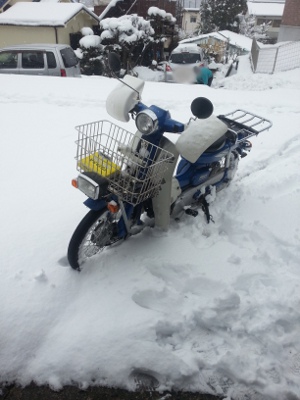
pixel 99 164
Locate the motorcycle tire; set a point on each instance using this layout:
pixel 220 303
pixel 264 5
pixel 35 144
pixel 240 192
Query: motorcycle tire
pixel 92 235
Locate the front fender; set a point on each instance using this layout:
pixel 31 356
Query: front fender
pixel 95 205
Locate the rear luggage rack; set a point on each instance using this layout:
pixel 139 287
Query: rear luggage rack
pixel 245 124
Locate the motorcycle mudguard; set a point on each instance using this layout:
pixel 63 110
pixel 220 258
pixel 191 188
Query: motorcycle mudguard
pixel 95 205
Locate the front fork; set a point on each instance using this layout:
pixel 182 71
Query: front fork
pixel 130 222
pixel 127 217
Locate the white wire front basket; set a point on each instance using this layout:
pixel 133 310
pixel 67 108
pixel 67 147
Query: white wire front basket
pixel 133 167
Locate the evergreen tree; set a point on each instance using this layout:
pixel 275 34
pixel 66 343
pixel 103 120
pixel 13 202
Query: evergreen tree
pixel 163 24
pixel 131 32
pixel 221 14
pixel 206 12
pixel 90 53
pixel 248 27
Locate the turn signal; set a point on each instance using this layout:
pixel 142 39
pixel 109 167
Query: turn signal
pixel 75 183
pixel 113 207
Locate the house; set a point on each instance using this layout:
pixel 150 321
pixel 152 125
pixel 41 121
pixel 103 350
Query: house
pixel 117 8
pixel 190 20
pixel 222 43
pixel 267 12
pixel 46 22
pixel 290 24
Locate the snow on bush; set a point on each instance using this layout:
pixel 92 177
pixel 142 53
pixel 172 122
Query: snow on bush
pixel 128 28
pixel 90 41
pixel 154 11
pixel 85 31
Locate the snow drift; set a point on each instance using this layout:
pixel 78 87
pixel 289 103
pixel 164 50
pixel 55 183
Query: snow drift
pixel 210 308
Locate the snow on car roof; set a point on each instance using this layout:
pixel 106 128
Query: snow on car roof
pixel 191 47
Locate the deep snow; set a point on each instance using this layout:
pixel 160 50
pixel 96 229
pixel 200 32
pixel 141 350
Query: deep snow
pixel 212 308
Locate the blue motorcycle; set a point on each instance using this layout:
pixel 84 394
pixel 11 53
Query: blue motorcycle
pixel 130 179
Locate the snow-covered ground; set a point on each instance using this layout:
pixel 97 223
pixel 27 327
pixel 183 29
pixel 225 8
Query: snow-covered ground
pixel 212 308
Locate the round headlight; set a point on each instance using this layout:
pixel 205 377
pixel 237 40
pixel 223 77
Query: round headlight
pixel 146 122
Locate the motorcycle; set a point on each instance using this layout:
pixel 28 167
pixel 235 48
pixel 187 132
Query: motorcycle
pixel 129 178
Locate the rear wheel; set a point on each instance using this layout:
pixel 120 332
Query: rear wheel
pixel 95 231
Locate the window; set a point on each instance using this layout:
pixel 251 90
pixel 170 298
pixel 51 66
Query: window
pixel 8 59
pixel 261 21
pixel 185 58
pixel 69 57
pixel 32 60
pixel 51 60
pixel 276 23
pixel 75 38
pixel 193 19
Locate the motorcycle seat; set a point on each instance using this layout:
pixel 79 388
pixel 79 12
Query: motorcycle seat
pixel 219 143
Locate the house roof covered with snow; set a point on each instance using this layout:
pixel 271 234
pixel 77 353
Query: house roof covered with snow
pixel 42 14
pixel 265 8
pixel 235 39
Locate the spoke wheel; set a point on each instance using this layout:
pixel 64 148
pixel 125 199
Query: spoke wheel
pixel 93 234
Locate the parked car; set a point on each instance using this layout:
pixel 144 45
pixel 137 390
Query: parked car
pixel 39 59
pixel 182 62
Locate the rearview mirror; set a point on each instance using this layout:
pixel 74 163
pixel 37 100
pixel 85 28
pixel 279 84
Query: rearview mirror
pixel 202 108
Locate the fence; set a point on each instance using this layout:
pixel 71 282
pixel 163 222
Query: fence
pixel 278 58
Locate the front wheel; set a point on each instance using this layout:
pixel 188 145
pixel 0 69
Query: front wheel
pixel 95 231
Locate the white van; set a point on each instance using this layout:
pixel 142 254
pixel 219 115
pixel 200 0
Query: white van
pixel 183 59
pixel 39 59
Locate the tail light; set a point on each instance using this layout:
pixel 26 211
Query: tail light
pixel 63 72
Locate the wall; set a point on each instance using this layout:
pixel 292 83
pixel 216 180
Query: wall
pixel 10 35
pixel 187 25
pixel 290 27
pixel 287 33
pixel 291 13
pixel 276 58
pixel 75 25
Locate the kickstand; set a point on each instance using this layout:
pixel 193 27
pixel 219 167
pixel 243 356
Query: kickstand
pixel 205 209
